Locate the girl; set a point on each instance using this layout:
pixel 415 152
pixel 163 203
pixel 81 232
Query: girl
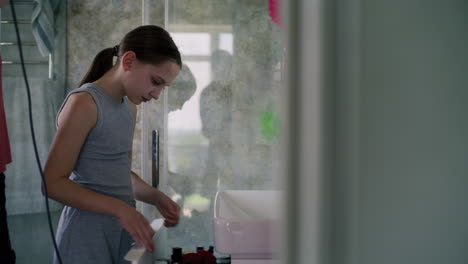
pixel 88 168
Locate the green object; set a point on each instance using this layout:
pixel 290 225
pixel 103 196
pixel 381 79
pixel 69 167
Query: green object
pixel 197 202
pixel 269 125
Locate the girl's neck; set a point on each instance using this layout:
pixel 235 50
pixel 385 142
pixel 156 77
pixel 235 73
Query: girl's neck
pixel 111 85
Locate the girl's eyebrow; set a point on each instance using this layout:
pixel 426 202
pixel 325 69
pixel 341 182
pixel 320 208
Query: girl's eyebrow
pixel 161 80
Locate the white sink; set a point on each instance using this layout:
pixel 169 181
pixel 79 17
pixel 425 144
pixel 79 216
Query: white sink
pixel 247 223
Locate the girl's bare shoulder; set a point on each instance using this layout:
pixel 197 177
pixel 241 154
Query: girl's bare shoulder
pixel 79 108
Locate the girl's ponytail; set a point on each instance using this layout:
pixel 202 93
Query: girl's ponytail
pixel 101 64
pixel 151 44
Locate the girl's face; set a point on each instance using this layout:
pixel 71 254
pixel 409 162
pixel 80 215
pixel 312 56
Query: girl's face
pixel 143 82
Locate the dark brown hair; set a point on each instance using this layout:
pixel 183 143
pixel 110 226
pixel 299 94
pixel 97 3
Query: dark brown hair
pixel 151 44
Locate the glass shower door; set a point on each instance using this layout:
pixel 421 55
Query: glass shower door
pixel 218 123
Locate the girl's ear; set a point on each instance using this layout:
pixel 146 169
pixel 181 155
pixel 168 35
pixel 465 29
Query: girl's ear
pixel 128 59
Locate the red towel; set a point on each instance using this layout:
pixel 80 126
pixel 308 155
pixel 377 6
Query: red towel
pixel 5 154
pixel 275 11
pixel 201 257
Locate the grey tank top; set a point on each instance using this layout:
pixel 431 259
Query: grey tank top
pixel 103 164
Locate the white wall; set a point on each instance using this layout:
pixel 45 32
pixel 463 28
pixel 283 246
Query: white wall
pixel 402 133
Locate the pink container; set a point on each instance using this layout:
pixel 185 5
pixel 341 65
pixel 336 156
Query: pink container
pixel 247 224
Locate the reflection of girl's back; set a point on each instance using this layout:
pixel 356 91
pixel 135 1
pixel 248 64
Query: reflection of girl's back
pixel 216 117
pixel 215 112
pixel 216 100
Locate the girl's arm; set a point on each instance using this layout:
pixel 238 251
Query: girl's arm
pixel 146 193
pixel 76 120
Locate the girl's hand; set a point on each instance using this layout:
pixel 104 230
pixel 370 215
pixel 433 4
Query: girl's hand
pixel 169 210
pixel 137 226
